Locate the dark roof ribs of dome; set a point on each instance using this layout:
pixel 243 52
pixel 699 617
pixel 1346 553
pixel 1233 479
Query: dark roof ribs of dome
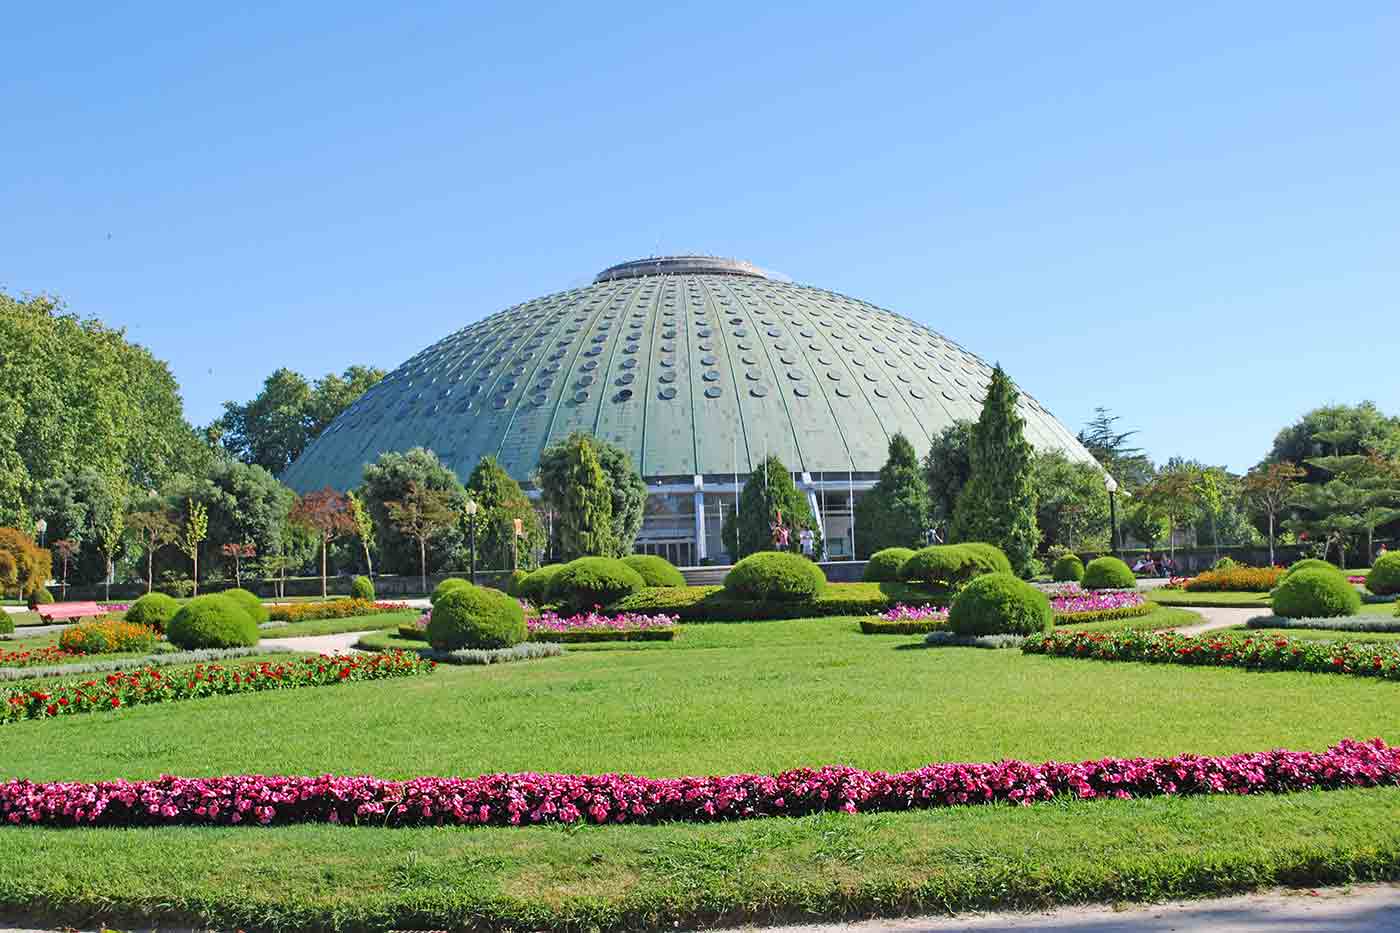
pixel 679 265
pixel 693 372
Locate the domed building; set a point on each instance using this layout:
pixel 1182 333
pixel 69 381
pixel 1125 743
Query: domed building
pixel 700 367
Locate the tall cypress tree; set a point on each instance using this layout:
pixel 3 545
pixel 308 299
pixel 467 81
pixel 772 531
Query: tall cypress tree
pixel 896 512
pixel 770 492
pixel 998 503
pixel 584 500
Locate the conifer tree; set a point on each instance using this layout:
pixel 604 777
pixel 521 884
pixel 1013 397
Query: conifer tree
pixel 579 489
pixel 998 503
pixel 769 494
pixel 897 511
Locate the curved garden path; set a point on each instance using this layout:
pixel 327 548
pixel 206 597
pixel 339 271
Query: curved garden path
pixel 1217 619
pixel 342 643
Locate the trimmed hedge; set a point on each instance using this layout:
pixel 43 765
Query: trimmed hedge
pixel 1316 593
pixel 515 580
pixel 476 617
pixel 1067 569
pixel 775 576
pixel 905 627
pixel 1108 573
pixel 586 636
pixel 886 566
pixel 1384 578
pixel 154 609
pixel 450 585
pixel 7 625
pixel 362 587
pixel 1089 616
pixel 213 621
pixel 1236 578
pixel 1000 604
pixel 654 570
pixel 939 564
pixel 714 604
pixel 1309 563
pixel 593 581
pixel 535 587
pixel 986 558
pixel 250 603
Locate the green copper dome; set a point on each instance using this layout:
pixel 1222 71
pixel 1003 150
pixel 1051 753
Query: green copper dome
pixel 697 365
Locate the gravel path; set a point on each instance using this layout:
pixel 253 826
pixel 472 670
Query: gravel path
pixel 1217 619
pixel 321 644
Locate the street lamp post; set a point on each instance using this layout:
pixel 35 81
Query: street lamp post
pixel 41 527
pixel 471 518
pixel 1112 485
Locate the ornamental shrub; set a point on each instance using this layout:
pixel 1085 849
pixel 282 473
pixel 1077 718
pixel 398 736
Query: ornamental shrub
pixel 212 621
pixel 108 635
pixel 938 565
pixel 40 597
pixel 250 603
pixel 1315 593
pixel 590 581
pixel 362 587
pixel 476 617
pixel 885 566
pixel 1000 604
pixel 153 609
pixel 513 582
pixel 1108 573
pixel 1309 563
pixel 1384 577
pixel 445 587
pixel 775 576
pixel 535 586
pixel 985 558
pixel 654 570
pixel 7 626
pixel 1224 563
pixel 1068 569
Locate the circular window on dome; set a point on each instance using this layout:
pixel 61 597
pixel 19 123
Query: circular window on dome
pixel 668 348
pixel 629 364
pixel 788 359
pixel 758 391
pixel 623 395
pixel 580 396
pixel 625 379
pixel 667 361
pixel 917 392
pixel 667 393
pixel 774 332
pixel 872 377
pixel 949 396
pixel 631 348
pixel 668 377
pixel 668 334
pixel 585 380
pixel 882 392
pixel 833 375
pixel 709 360
pixel 843 391
pixel 741 332
pixel 593 351
pixel 500 403
pixel 589 366
pixel 902 377
pixel 703 332
pixel 801 391
pixel 505 386
pixel 795 374
pixel 807 333
pixel 539 401
pixel 599 338
pixel 712 375
pixel 736 320
pixel 857 361
pixel 745 345
pixel 713 392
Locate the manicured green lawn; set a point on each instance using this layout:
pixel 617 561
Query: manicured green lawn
pixel 368 623
pixel 1319 633
pixel 719 699
pixel 1218 600
pixel 1160 618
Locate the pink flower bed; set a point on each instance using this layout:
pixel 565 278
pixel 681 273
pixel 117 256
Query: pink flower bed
pixel 924 613
pixel 598 622
pixel 1100 601
pixel 523 799
pixel 1357 579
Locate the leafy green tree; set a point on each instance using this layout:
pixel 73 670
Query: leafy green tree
pixel 272 429
pixel 75 505
pixel 1366 487
pixel 947 468
pixel 150 520
pixel 574 485
pixel 1101 437
pixel 1071 503
pixel 422 514
pixel 244 504
pixel 626 488
pixel 503 503
pixel 76 396
pixel 770 498
pixel 1337 430
pixel 364 528
pixel 194 530
pixel 1172 496
pixel 896 511
pixel 387 480
pixel 998 503
pixel 1267 488
pixel 111 530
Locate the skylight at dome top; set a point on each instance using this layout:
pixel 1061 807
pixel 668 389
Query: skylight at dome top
pixel 699 366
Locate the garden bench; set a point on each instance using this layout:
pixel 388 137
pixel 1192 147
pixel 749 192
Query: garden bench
pixel 64 611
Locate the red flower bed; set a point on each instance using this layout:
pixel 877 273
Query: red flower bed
pixel 49 654
pixel 523 799
pixel 1260 652
pixel 152 685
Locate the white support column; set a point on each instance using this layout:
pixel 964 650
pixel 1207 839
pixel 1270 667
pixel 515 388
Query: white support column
pixel 700 554
pixel 813 502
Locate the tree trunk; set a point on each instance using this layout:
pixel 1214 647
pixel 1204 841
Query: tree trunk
pixel 107 582
pixel 1271 539
pixel 325 542
pixel 423 562
pixel 195 558
pixel 369 565
pixel 150 561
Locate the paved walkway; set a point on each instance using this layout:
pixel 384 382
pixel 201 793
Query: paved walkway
pixel 1327 910
pixel 31 631
pixel 1218 619
pixel 320 644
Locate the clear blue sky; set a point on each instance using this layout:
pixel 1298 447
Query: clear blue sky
pixel 1191 214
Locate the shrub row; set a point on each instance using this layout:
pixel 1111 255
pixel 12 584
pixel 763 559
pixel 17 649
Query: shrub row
pixel 902 627
pixel 1088 616
pixel 149 685
pixel 1258 652
pixel 530 799
pixel 775 577
pixel 1236 579
pixel 1108 573
pixel 153 609
pixel 715 604
pixel 1068 568
pixel 949 565
pixel 1368 623
pixel 339 608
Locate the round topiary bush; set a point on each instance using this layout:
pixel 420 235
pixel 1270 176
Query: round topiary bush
pixel 1000 604
pixel 1068 569
pixel 445 587
pixel 886 566
pixel 535 586
pixel 1308 563
pixel 362 587
pixel 1224 563
pixel 476 617
pixel 939 565
pixel 654 570
pixel 1315 593
pixel 594 581
pixel 775 576
pixel 153 609
pixel 985 558
pixel 1384 578
pixel 250 603
pixel 7 626
pixel 213 621
pixel 1108 573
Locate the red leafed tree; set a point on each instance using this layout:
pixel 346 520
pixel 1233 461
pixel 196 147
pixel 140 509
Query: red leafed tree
pixel 326 512
pixel 239 552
